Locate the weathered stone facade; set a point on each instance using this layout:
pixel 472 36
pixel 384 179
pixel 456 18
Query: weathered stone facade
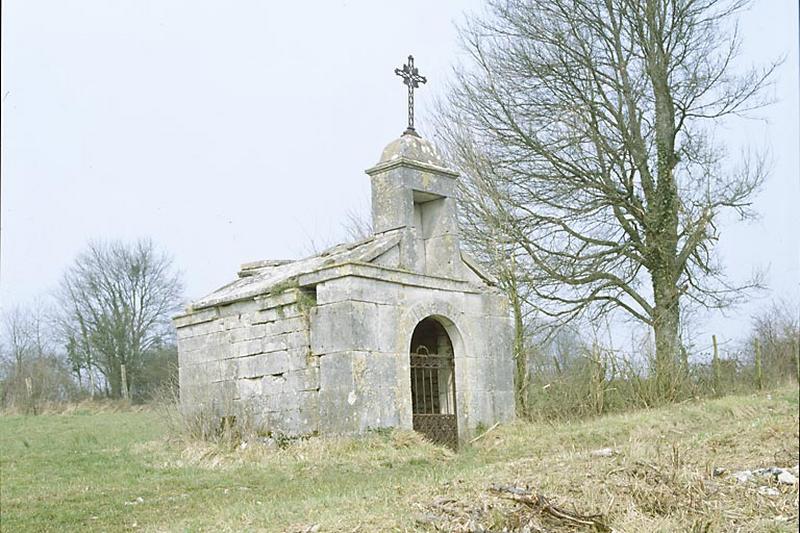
pixel 323 344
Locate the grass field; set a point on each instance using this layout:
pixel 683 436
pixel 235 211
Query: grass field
pixel 110 471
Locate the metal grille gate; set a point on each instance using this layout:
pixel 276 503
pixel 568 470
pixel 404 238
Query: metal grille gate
pixel 433 397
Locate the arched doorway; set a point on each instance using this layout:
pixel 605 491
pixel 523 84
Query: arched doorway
pixel 433 384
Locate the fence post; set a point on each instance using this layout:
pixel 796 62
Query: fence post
pixel 715 367
pixel 759 371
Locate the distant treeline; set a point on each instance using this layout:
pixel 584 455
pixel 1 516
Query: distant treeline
pixel 105 331
pixel 572 376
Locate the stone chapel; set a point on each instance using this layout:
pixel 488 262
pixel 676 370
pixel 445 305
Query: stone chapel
pixel 402 329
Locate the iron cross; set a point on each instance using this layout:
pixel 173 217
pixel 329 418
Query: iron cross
pixel 412 78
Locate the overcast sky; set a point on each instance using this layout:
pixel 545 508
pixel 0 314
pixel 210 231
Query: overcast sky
pixel 235 131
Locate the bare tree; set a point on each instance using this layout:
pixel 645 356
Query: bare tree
pixel 492 248
pixel 19 342
pixel 777 331
pixel 26 332
pixel 356 226
pixel 582 129
pixel 116 300
pixel 31 368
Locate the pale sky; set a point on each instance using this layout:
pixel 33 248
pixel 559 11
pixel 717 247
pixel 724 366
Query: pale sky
pixel 235 131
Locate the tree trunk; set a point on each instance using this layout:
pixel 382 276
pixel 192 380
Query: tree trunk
pixel 664 203
pixel 91 382
pixel 666 327
pixel 509 283
pixel 520 357
pixel 115 380
pixel 124 381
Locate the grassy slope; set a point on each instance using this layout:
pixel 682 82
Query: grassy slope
pixel 86 471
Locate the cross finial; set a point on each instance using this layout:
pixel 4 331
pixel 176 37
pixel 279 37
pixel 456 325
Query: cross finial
pixel 412 78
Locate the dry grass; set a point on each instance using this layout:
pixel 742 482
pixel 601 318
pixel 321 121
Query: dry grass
pixel 85 406
pixel 660 475
pixel 380 448
pixel 118 471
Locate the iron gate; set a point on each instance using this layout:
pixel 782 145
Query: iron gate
pixel 433 397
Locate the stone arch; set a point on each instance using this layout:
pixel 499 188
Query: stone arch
pixel 445 313
pixel 450 319
pixel 461 336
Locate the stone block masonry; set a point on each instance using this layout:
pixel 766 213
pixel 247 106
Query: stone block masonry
pixel 260 354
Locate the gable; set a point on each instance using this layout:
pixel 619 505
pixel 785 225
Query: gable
pixel 263 277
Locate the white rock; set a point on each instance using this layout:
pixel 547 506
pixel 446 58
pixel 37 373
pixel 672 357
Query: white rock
pixel 768 491
pixel 603 452
pixel 743 476
pixel 766 472
pixel 787 478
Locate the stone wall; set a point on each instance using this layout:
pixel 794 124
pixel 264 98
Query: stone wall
pixel 333 357
pixel 253 357
pixel 361 330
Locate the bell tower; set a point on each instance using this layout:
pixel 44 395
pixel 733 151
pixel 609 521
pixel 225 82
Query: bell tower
pixel 413 191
